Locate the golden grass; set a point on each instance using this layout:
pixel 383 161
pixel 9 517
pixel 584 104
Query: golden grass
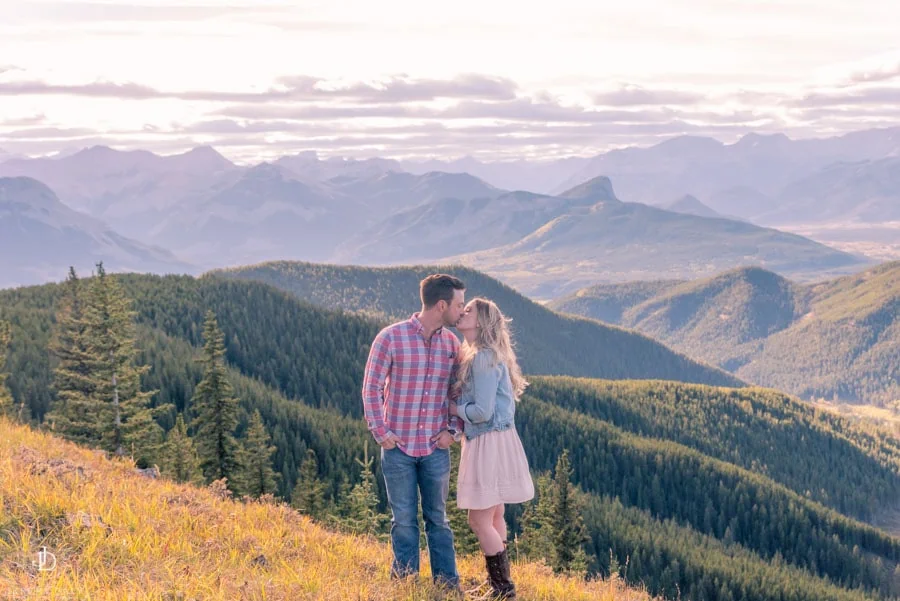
pixel 119 536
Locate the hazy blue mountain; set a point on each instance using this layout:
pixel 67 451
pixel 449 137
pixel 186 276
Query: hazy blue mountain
pixel 40 238
pixel 706 167
pixel 540 176
pixel 617 241
pixel 863 191
pixel 130 190
pixel 691 205
pixel 307 166
pixel 268 213
pixel 453 225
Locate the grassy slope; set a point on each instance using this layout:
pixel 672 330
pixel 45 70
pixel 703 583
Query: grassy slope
pixel 118 535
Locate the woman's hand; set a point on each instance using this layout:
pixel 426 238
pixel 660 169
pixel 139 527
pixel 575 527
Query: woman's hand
pixel 453 408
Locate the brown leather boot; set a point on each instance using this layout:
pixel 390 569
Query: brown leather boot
pixel 498 575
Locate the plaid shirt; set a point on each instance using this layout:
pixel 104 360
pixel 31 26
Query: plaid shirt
pixel 406 385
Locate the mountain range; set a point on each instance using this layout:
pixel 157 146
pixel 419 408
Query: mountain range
pixel 212 213
pixel 611 240
pixel 40 238
pixel 761 164
pixel 836 340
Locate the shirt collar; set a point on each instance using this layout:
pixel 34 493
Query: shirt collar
pixel 414 321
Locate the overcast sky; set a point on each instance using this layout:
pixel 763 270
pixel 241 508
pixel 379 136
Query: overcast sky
pixel 495 79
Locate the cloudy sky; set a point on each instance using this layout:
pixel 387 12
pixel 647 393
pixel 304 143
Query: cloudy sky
pixel 496 79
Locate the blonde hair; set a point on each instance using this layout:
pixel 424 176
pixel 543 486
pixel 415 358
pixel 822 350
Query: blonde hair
pixel 494 335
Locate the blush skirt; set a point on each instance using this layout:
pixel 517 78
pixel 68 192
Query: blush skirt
pixel 493 469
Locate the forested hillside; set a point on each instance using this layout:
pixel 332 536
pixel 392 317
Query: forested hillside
pixel 548 343
pixel 835 340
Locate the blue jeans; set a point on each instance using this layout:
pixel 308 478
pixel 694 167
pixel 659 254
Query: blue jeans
pixel 405 478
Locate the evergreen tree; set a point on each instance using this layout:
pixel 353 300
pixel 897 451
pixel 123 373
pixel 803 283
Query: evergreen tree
pixel 127 421
pixel 6 400
pixel 181 462
pixel 76 412
pixel 338 510
pixel 569 533
pixel 536 540
pixel 259 477
pixel 216 411
pixel 361 505
pixel 308 496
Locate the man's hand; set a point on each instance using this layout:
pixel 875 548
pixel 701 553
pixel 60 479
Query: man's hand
pixel 391 442
pixel 443 439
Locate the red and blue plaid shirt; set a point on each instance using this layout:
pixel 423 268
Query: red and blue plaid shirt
pixel 406 385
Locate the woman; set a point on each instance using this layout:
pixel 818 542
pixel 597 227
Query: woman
pixel 493 469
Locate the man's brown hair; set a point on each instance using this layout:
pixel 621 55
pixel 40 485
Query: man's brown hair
pixel 439 287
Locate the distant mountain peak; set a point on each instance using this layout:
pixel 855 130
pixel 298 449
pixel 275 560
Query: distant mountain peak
pixel 691 205
pixel 767 141
pixel 598 189
pixel 690 144
pixel 265 170
pixel 202 157
pixel 27 190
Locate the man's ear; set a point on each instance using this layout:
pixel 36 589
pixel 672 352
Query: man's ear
pixel 442 305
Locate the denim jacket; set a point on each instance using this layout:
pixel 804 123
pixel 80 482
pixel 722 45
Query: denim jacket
pixel 487 403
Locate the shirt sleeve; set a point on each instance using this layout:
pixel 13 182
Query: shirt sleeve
pixel 485 380
pixel 378 367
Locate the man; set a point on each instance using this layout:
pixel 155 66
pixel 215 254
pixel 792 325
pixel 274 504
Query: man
pixel 405 397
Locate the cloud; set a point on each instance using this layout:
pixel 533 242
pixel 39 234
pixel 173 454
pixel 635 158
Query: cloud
pixel 401 115
pixel 52 133
pixel 519 109
pixel 100 89
pixel 404 89
pixel 300 87
pixel 24 121
pixel 99 12
pixel 639 96
pixel 885 70
pixel 881 95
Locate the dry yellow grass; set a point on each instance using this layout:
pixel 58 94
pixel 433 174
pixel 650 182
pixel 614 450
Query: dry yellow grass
pixel 117 535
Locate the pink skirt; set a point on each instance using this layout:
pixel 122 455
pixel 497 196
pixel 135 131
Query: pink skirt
pixel 493 469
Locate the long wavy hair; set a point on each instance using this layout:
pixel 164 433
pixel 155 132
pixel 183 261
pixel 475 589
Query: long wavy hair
pixel 493 334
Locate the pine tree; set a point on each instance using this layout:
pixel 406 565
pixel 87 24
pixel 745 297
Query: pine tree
pixel 127 421
pixel 6 399
pixel 216 411
pixel 77 411
pixel 258 476
pixel 569 533
pixel 361 505
pixel 181 462
pixel 308 496
pixel 338 510
pixel 536 540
